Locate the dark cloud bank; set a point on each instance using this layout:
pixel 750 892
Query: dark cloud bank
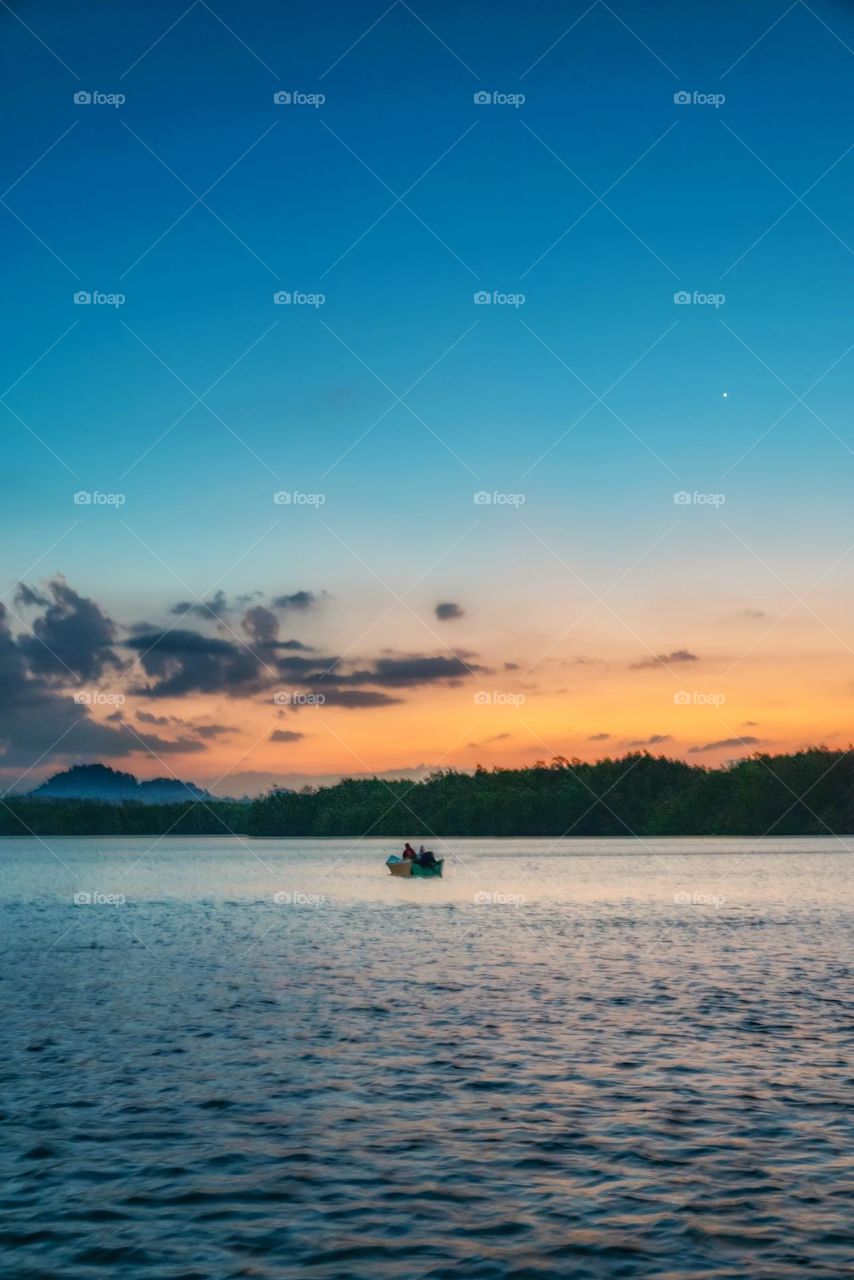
pixel 57 647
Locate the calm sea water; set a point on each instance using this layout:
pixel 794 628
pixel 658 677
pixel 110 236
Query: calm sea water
pixel 269 1059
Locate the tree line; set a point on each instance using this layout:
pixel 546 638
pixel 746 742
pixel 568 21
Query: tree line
pixel 805 793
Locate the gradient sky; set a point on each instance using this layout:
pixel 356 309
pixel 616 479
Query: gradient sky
pixel 599 606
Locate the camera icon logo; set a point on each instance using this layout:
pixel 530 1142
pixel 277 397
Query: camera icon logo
pixel 281 298
pixel 482 699
pixel 282 98
pixel 82 98
pixel 682 498
pixel 82 498
pixel 482 298
pixel 82 298
pixel 282 698
pixel 682 298
pixel 482 98
pixel 282 498
pixel 482 498
pixel 681 98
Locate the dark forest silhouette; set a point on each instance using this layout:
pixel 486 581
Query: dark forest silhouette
pixel 807 793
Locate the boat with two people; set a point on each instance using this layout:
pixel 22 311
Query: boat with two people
pixel 409 863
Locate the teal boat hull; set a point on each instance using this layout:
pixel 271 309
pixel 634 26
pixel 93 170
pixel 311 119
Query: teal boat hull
pixel 414 870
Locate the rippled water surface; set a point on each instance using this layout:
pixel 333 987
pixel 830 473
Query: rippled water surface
pixel 270 1059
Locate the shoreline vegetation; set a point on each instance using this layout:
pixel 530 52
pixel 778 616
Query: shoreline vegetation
pixel 806 793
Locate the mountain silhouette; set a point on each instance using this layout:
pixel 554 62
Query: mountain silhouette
pixel 110 786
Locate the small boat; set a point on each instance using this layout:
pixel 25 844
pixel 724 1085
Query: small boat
pixel 406 867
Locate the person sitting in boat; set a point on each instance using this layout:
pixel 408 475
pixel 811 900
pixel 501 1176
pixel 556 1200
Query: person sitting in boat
pixel 409 853
pixel 426 857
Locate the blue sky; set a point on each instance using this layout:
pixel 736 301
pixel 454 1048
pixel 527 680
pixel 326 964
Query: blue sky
pixel 304 198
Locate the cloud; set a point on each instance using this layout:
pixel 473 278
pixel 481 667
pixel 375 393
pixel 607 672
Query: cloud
pixel 299 600
pixel 598 737
pixel 357 699
pixel 180 662
pixel 665 660
pixel 446 611
pixel 304 670
pixel 213 609
pixel 73 647
pixel 260 624
pixel 496 737
pixel 26 597
pixel 262 627
pixel 412 670
pixel 285 735
pixel 654 740
pixel 725 742
pixel 204 731
pixel 39 720
pixel 178 641
pixel 73 638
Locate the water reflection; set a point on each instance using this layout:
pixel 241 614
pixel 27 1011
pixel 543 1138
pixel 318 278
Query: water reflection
pixel 592 1059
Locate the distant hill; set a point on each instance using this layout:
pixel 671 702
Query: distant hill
pixel 110 786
